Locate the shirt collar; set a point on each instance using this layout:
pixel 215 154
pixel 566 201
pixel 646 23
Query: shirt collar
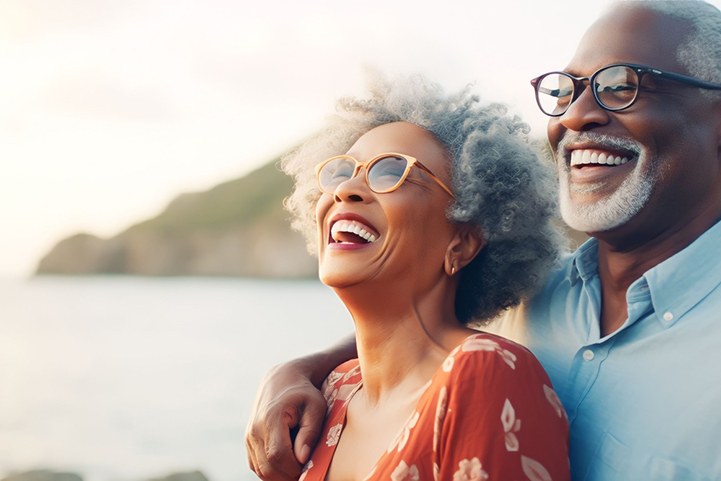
pixel 584 264
pixel 675 285
pixel 681 281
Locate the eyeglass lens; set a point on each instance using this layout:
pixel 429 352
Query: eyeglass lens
pixel 384 174
pixel 615 88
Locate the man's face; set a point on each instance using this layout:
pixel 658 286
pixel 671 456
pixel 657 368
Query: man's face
pixel 666 144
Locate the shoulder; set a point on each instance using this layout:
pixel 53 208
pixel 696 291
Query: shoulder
pixel 351 365
pixel 515 323
pixel 564 272
pixel 486 345
pixel 499 371
pixel 346 373
pixel 486 355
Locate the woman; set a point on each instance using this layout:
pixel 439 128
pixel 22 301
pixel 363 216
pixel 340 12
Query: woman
pixel 430 212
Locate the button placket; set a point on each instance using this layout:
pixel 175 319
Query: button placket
pixel 586 369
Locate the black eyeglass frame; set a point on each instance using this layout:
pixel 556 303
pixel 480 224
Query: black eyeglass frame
pixel 640 71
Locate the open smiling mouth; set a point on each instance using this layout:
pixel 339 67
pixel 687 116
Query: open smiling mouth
pixel 351 232
pixel 588 157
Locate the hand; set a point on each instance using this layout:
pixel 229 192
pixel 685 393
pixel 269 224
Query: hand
pixel 287 402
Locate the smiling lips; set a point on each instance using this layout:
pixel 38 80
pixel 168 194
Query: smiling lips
pixel 351 232
pixel 583 157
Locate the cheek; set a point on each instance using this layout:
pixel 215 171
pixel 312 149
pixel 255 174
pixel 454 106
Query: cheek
pixel 673 136
pixel 426 229
pixel 555 131
pixel 665 141
pixel 322 205
pixel 321 210
pixel 677 125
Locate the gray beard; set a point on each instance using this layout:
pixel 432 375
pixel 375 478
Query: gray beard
pixel 617 208
pixel 610 212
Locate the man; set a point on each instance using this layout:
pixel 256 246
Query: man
pixel 629 329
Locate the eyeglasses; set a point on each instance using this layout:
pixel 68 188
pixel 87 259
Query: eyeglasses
pixel 615 87
pixel 383 173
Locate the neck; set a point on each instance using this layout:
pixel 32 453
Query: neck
pixel 402 336
pixel 624 259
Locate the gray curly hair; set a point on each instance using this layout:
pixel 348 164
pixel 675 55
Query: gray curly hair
pixel 700 51
pixel 500 185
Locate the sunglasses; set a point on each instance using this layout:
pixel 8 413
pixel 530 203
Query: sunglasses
pixel 615 87
pixel 383 173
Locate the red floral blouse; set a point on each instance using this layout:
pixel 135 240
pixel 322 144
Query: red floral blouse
pixel 489 413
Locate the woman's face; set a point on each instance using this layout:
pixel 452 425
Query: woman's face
pixel 403 234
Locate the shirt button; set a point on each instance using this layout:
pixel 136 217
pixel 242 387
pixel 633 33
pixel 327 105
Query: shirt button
pixel 668 316
pixel 588 355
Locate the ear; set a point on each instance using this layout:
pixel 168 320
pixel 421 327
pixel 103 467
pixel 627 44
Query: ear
pixel 465 245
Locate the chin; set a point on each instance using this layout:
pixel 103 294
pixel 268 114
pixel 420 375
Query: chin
pixel 591 218
pixel 609 212
pixel 337 280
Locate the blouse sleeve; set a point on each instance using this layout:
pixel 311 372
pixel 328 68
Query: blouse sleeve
pixel 497 417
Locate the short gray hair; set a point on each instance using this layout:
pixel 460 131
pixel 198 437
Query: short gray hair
pixel 501 186
pixel 700 52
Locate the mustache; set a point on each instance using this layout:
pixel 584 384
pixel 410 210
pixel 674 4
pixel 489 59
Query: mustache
pixel 610 141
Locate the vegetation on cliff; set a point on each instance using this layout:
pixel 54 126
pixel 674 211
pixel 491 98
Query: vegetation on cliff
pixel 237 228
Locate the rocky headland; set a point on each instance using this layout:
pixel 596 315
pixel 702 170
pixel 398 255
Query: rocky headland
pixel 237 228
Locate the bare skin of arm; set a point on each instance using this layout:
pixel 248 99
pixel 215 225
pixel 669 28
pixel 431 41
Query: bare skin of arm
pixel 289 401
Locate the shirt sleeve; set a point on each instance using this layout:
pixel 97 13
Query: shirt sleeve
pixel 497 417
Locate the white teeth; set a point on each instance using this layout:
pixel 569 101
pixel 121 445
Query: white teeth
pixel 588 157
pixel 353 227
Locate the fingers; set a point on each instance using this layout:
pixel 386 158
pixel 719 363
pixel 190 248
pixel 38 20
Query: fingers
pixel 287 404
pixel 274 459
pixel 252 463
pixel 309 426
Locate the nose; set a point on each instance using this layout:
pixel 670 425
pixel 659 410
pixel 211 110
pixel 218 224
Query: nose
pixel 354 189
pixel 584 113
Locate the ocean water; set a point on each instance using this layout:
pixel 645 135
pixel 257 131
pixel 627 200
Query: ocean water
pixel 124 378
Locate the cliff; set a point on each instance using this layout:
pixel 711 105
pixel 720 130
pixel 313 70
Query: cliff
pixel 237 228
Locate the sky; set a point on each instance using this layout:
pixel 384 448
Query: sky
pixel 109 109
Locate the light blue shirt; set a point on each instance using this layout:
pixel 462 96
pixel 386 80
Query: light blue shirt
pixel 644 403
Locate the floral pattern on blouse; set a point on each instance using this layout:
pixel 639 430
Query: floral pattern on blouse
pixel 488 414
